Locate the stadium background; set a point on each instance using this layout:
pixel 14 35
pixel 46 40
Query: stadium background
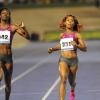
pixel 42 17
pixel 35 71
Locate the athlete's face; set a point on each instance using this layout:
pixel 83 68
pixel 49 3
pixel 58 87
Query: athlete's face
pixel 69 22
pixel 5 15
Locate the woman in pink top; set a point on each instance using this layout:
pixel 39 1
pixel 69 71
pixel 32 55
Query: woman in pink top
pixel 70 41
pixel 7 31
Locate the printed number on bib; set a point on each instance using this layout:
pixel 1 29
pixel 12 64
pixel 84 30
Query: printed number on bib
pixel 5 37
pixel 66 44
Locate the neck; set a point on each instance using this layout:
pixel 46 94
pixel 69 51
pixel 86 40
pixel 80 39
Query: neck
pixel 4 22
pixel 69 31
pixel 4 25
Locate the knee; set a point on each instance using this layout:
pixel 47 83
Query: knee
pixel 0 77
pixel 1 74
pixel 73 85
pixel 8 89
pixel 63 79
pixel 8 75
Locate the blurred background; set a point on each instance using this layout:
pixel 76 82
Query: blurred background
pixel 42 17
pixel 38 70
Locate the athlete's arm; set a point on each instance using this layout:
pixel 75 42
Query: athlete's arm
pixel 21 30
pixel 56 48
pixel 81 43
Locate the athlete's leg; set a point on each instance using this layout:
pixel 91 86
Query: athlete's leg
pixel 63 70
pixel 8 75
pixel 1 71
pixel 72 77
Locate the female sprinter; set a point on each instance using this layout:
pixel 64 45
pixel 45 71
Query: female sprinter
pixel 7 31
pixel 70 41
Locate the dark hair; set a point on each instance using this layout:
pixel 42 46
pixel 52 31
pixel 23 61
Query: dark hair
pixel 76 26
pixel 9 20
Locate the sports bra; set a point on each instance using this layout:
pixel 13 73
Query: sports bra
pixel 5 35
pixel 65 41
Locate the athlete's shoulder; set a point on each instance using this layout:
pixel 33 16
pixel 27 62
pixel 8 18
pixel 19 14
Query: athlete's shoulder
pixel 61 35
pixel 78 35
pixel 14 26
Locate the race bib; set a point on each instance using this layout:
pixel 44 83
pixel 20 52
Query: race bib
pixel 66 44
pixel 5 37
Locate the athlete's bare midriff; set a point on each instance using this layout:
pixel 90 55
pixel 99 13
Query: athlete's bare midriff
pixel 69 54
pixel 5 49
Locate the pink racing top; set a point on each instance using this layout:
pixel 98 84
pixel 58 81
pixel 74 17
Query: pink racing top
pixel 66 39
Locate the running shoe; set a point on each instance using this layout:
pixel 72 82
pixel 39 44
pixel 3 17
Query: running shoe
pixel 72 95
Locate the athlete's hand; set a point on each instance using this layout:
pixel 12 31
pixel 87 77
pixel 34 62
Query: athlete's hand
pixel 22 25
pixel 50 50
pixel 74 43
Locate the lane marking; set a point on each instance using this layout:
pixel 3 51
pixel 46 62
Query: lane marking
pixel 95 90
pixel 27 72
pixel 51 89
pixel 23 94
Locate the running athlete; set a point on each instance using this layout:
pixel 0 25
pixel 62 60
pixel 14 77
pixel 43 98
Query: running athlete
pixel 7 31
pixel 70 41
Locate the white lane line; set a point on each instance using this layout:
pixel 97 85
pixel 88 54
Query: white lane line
pixel 95 90
pixel 27 72
pixel 23 94
pixel 51 89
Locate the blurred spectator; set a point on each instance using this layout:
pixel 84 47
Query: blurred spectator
pixel 42 1
pixel 20 1
pixel 16 1
pixel 24 1
pixel 97 3
pixel 47 1
pixel 34 1
pixel 1 3
pixel 31 1
pixel 34 36
pixel 73 0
